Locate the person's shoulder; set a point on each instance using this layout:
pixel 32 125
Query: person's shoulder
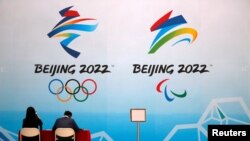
pixel 25 120
pixel 39 120
pixel 60 118
pixel 72 119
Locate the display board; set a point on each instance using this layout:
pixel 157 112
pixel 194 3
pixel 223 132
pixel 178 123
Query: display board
pixel 187 63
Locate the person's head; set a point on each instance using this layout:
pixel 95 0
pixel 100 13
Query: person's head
pixel 68 113
pixel 30 112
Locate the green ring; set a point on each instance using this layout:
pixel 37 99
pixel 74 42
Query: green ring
pixel 78 88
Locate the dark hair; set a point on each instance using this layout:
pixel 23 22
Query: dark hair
pixel 30 113
pixel 68 113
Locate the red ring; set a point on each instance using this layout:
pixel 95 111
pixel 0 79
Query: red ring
pixel 88 93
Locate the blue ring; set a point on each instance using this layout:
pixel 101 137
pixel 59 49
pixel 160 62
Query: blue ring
pixel 56 92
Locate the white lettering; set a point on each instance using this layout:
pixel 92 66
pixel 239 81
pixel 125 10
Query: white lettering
pixel 215 132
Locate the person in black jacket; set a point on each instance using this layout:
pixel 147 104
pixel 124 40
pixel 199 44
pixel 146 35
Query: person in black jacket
pixel 66 122
pixel 32 120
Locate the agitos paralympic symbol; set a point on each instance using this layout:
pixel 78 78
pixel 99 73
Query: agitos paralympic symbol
pixel 167 96
pixel 66 24
pixel 71 91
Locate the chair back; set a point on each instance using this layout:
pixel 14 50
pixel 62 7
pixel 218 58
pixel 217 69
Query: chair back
pixel 29 132
pixel 64 133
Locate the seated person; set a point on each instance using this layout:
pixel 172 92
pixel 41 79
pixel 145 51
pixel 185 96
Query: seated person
pixel 31 121
pixel 66 122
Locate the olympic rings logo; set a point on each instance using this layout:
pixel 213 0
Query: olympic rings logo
pixel 72 92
